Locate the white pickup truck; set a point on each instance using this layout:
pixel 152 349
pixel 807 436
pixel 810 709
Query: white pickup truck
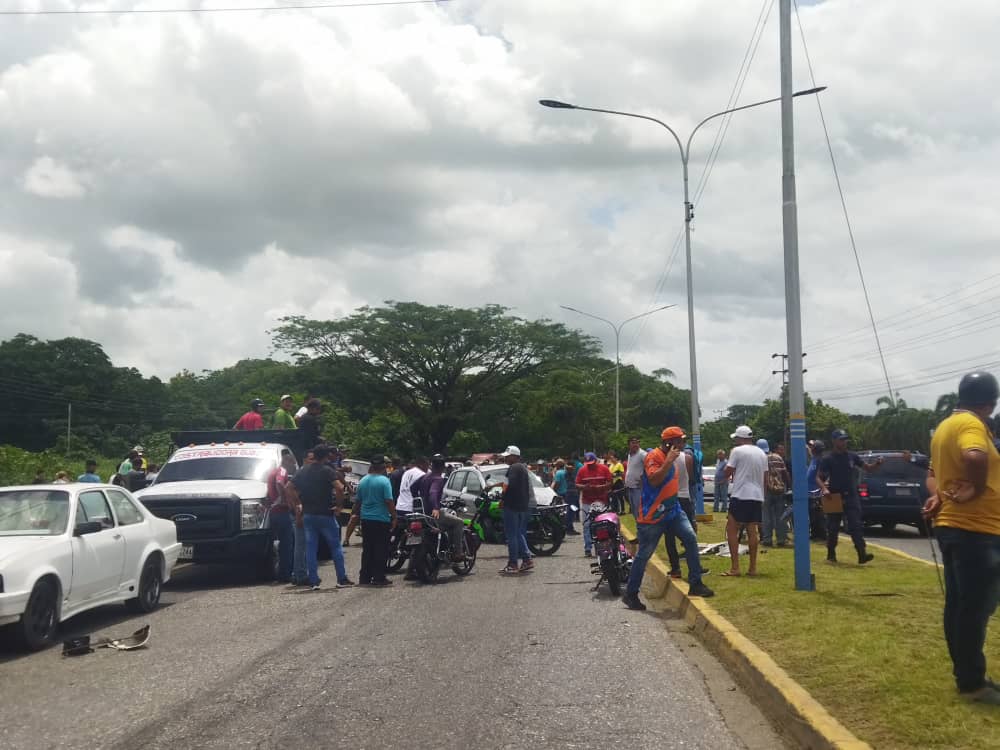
pixel 216 495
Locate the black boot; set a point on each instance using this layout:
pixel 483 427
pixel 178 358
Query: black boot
pixel 864 557
pixel 831 554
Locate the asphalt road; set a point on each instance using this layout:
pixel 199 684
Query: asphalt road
pixel 538 661
pixel 904 538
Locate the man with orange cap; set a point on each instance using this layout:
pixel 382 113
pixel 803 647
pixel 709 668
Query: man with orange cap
pixel 658 513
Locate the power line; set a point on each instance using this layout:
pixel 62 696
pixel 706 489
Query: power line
pixel 951 368
pixel 843 204
pixel 259 9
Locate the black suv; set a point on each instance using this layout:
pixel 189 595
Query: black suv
pixel 896 492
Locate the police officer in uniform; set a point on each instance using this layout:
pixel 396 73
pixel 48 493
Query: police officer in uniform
pixel 836 480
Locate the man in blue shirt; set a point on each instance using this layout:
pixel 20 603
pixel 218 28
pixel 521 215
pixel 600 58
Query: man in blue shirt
pixel 378 516
pixel 90 475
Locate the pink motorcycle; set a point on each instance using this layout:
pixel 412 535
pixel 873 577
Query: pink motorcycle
pixel 613 559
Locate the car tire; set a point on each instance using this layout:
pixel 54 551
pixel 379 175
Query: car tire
pixel 40 620
pixel 150 587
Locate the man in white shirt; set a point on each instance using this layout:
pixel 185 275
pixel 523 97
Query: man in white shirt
pixel 746 473
pixel 633 473
pixel 405 502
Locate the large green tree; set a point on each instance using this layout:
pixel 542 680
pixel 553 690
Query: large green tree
pixel 438 365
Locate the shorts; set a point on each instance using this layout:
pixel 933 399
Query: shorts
pixel 746 511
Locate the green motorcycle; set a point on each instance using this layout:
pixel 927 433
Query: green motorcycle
pixel 546 528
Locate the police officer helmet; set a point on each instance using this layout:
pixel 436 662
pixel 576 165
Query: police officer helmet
pixel 978 388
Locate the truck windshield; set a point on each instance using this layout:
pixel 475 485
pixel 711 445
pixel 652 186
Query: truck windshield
pixel 217 467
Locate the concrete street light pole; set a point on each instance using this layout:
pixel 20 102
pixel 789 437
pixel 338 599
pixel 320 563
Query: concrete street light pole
pixel 685 151
pixel 618 330
pixel 793 309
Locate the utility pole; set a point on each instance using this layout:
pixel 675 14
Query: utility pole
pixel 804 580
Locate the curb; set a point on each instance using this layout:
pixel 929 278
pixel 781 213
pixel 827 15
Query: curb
pixel 900 553
pixel 789 706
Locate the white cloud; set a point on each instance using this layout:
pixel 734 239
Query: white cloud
pixel 48 178
pixel 228 169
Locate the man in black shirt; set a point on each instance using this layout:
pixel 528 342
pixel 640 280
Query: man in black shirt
pixel 835 479
pixel 135 480
pixel 313 488
pixel 516 494
pixel 310 425
pixel 396 477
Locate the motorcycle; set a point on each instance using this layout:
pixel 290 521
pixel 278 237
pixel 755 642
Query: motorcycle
pixel 546 527
pixel 399 552
pixel 430 546
pixel 613 562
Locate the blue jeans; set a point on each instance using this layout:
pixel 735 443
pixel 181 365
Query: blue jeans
pixel 634 495
pixel 283 526
pixel 315 525
pixel 588 541
pixel 972 587
pixel 720 503
pixel 773 523
pixel 515 528
pixel 299 565
pixel 572 498
pixel 649 537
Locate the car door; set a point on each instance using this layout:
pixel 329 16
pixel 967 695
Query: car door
pixel 471 489
pixel 455 484
pixel 98 558
pixel 134 529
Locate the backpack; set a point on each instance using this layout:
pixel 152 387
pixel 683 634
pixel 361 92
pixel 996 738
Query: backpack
pixel 775 482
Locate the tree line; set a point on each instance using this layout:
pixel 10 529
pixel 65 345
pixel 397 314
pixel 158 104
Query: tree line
pixel 403 378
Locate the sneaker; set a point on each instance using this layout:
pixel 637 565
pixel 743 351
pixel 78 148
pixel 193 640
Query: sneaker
pixel 314 587
pixel 989 695
pixel 345 584
pixel 632 601
pixel 831 561
pixel 865 557
pixel 676 574
pixel 381 584
pixel 527 565
pixel 509 570
pixel 701 590
pixel 588 553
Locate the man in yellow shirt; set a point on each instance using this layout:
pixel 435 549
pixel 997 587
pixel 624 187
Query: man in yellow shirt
pixel 964 483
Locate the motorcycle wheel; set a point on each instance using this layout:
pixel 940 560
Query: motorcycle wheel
pixel 613 575
pixel 546 536
pixel 398 554
pixel 465 567
pixel 426 565
pixel 492 534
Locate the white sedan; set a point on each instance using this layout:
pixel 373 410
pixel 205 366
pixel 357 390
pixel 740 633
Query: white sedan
pixel 67 548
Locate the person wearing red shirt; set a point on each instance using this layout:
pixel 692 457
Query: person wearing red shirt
pixel 594 482
pixel 252 420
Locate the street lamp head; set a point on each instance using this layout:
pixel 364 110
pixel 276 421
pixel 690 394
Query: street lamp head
pixel 555 104
pixel 807 92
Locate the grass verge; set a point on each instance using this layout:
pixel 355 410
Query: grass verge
pixel 867 644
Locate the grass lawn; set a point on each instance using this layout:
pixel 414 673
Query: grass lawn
pixel 867 644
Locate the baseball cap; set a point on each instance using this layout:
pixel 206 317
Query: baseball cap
pixel 764 445
pixel 139 449
pixel 589 458
pixel 839 435
pixel 284 397
pixel 671 433
pixel 742 432
pixel 512 450
pixel 378 461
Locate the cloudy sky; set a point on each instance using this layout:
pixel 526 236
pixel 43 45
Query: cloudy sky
pixel 174 183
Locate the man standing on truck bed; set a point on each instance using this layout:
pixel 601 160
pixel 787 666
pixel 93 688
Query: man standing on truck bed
pixel 310 424
pixel 313 486
pixel 252 420
pixel 283 419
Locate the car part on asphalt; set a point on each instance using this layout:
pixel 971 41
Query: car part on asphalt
pixel 84 645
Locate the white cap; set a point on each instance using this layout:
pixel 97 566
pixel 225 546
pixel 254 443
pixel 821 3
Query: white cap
pixel 138 449
pixel 742 432
pixel 512 450
pixel 283 398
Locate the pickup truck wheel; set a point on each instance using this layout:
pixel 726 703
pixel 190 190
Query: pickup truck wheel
pixel 150 586
pixel 38 625
pixel 267 566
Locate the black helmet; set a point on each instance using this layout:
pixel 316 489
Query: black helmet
pixel 978 388
pixel 437 460
pixel 818 446
pixel 256 403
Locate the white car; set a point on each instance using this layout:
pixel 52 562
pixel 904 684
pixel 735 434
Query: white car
pixel 67 548
pixel 468 482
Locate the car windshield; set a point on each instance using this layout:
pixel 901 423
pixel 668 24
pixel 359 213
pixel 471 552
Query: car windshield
pixel 33 512
pixel 216 467
pixel 497 474
pixel 896 468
